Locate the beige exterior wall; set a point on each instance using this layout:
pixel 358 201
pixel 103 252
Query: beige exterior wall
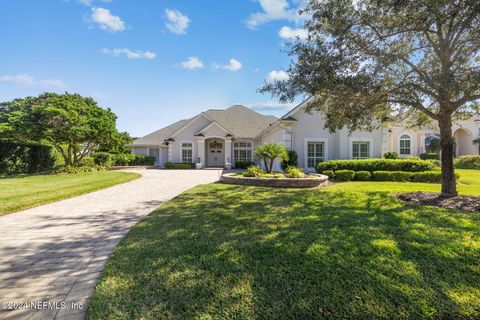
pixel 464 132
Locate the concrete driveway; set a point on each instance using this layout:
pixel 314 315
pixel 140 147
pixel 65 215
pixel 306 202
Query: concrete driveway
pixel 51 256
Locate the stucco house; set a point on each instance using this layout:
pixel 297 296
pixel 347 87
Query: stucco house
pixel 220 138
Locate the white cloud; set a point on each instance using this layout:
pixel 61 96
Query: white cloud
pixel 233 65
pixel 277 76
pixel 271 106
pixel 177 22
pixel 86 2
pixel 106 20
pixel 130 54
pixel 26 80
pixel 291 34
pixel 192 63
pixel 272 10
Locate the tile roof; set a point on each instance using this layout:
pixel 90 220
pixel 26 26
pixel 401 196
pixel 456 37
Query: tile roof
pixel 156 138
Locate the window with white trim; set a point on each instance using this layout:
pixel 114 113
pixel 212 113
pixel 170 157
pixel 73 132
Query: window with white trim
pixel 405 145
pixel 242 151
pixel 360 149
pixel 187 152
pixel 315 153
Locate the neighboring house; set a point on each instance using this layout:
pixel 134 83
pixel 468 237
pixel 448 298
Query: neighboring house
pixel 220 138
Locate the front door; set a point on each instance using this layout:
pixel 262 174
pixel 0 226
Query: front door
pixel 215 155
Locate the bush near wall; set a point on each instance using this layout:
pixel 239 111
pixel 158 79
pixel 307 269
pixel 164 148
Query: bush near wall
pixel 25 157
pixel 179 165
pixel 430 156
pixel 468 162
pixel 141 160
pixel 409 165
pixel 243 164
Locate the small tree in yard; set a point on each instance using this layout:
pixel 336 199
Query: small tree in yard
pixel 366 59
pixel 72 124
pixel 269 152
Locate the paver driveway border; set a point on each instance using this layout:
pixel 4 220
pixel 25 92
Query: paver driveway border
pixel 55 253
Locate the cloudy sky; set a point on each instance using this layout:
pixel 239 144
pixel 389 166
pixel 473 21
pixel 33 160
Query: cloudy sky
pixel 152 61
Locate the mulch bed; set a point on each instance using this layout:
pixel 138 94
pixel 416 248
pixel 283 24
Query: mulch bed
pixel 462 203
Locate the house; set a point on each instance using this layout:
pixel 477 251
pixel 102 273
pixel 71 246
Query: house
pixel 221 138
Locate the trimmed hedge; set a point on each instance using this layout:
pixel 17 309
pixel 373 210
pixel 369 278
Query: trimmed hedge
pixel 243 164
pixel 399 176
pixel 18 157
pixel 391 155
pixel 363 175
pixel 428 176
pixel 179 165
pixel 372 165
pixel 329 173
pixel 468 162
pixel 430 156
pixel 344 175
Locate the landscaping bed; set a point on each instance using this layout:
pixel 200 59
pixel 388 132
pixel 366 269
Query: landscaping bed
pixel 309 181
pixel 462 203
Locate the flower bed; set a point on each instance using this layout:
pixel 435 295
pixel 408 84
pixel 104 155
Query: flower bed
pixel 309 181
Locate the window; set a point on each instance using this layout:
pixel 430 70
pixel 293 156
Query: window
pixel 315 153
pixel 242 151
pixel 187 152
pixel 360 150
pixel 405 144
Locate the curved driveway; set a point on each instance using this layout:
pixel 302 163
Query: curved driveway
pixel 55 253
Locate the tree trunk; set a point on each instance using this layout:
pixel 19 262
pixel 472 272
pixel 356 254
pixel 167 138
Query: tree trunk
pixel 265 163
pixel 449 187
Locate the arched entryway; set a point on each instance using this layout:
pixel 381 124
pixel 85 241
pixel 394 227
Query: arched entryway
pixel 215 152
pixel 463 142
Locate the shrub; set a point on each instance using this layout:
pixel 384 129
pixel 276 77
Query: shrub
pixel 294 172
pixel 329 173
pixel 429 156
pixel 376 165
pixel 123 159
pixel 179 165
pixel 25 157
pixel 292 160
pixel 254 171
pixel 344 175
pixel 141 160
pixel 103 159
pixel 391 155
pixel 382 175
pixel 427 176
pixel 243 164
pixel 363 175
pixel 87 161
pixel 276 175
pixel 468 162
pixel 399 176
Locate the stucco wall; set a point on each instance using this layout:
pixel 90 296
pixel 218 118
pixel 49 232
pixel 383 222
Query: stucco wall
pixel 187 135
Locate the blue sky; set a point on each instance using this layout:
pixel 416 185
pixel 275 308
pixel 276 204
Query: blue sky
pixel 152 62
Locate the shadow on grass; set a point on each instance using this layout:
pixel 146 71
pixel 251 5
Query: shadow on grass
pixel 224 252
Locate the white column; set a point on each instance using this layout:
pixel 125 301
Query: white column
pixel 170 151
pixel 228 152
pixel 385 141
pixel 201 152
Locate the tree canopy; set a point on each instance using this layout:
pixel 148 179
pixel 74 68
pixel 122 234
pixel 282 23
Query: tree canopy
pixel 72 124
pixel 365 60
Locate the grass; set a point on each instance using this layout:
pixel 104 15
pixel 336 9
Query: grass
pixel 25 191
pixel 349 251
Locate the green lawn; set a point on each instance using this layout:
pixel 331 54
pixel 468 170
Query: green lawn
pixel 347 251
pixel 22 192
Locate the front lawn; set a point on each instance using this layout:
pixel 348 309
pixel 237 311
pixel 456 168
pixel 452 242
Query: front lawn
pixel 20 192
pixel 348 251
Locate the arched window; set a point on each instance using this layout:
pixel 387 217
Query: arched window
pixel 405 145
